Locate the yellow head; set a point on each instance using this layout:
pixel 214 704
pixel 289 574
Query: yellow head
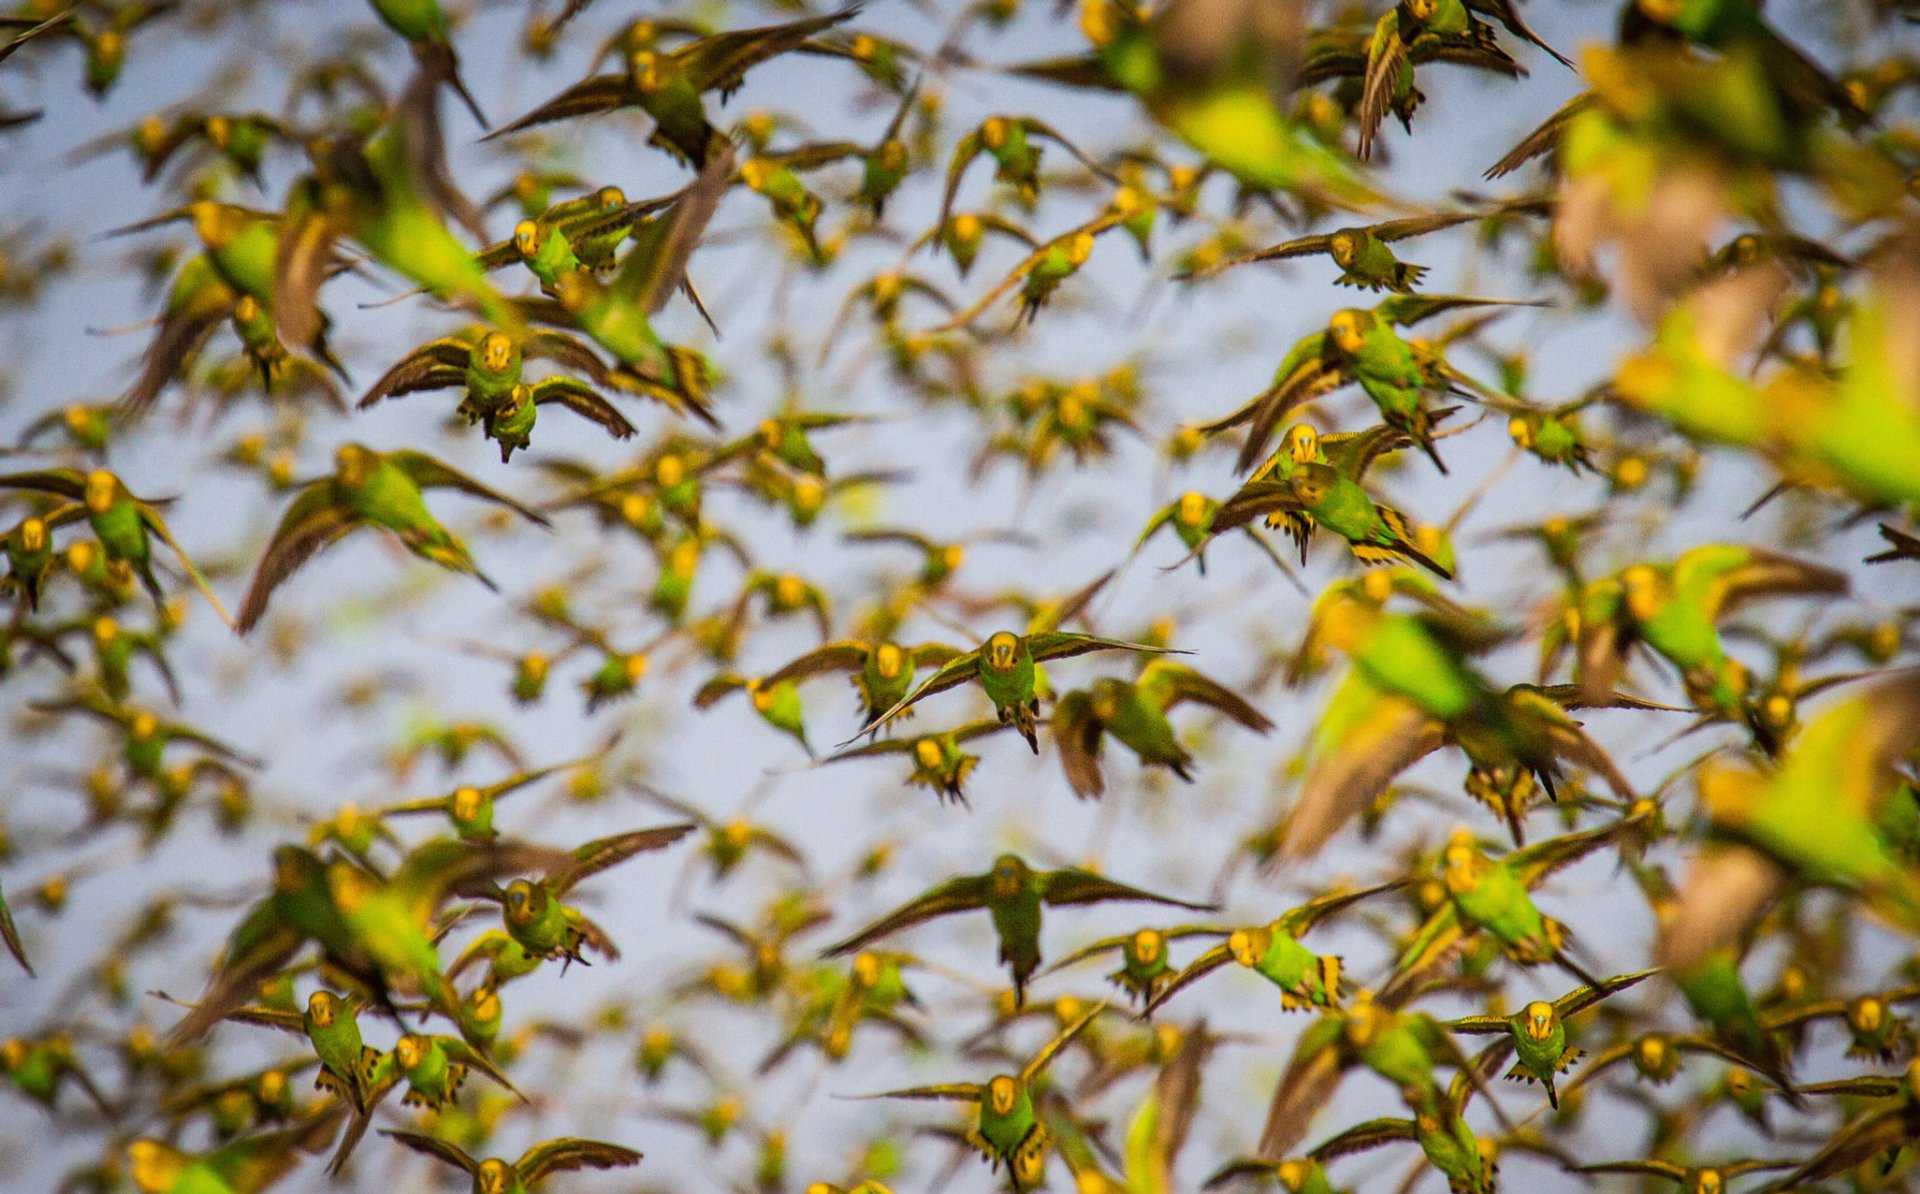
pixel 1348 330
pixel 494 1176
pixel 101 491
pixel 466 803
pixel 1540 1020
pixel 410 1050
pixel 1303 443
pixel 322 1008
pixel 1248 946
pixel 1002 1091
pixel 1003 650
pixel 526 238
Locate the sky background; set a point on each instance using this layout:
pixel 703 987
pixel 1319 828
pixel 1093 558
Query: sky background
pixel 374 616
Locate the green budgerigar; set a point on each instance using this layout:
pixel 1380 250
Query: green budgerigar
pixel 1013 894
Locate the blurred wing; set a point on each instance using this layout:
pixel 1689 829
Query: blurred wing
pixel 964 894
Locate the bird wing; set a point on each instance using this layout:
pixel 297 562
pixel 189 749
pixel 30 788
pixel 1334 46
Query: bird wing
pixel 1363 1136
pixel 1197 969
pixel 1583 997
pixel 428 473
pixel 571 1152
pixel 585 401
pixel 1299 920
pixel 598 855
pixel 433 1146
pixel 1385 737
pixel 657 264
pixel 1077 733
pixel 720 62
pixel 597 93
pixel 1167 684
pixel 963 894
pixel 566 351
pixel 1070 885
pixel 315 520
pixel 1044 1058
pixel 1065 644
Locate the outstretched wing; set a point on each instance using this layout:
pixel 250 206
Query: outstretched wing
pixel 1071 885
pixel 428 473
pixel 571 1152
pixel 316 520
pixel 963 894
pixel 439 1150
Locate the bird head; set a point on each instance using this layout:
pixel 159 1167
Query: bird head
pixel 1653 1055
pixel 1002 651
pixel 1148 946
pixel 102 490
pixel 215 223
pixel 143 726
pixel 866 968
pixel 1080 248
pixel 608 198
pixel 352 464
pixel 349 886
pixel 1311 483
pixel 13 1053
pixel 926 752
pixel 1662 12
pixel 1646 590
pixel 1002 1092
pixel 1248 946
pixel 1867 1014
pixel 496 351
pixel 731 839
pixel 484 1008
pixel 1293 1174
pixel 1348 330
pixel 1523 429
pixel 1365 1019
pixel 494 1176
pixel 410 1050
pixel 669 471
pixel 1303 443
pixel 156 1166
pixel 1008 877
pixel 1463 862
pixel 33 535
pixel 1344 246
pixel 466 803
pixel 993 133
pixel 1707 1181
pixel 322 1008
pixel 522 902
pixel 644 67
pixel 105 631
pixel 1106 697
pixel 526 238
pixel 1191 509
pixel 1540 1020
pixel 889 661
